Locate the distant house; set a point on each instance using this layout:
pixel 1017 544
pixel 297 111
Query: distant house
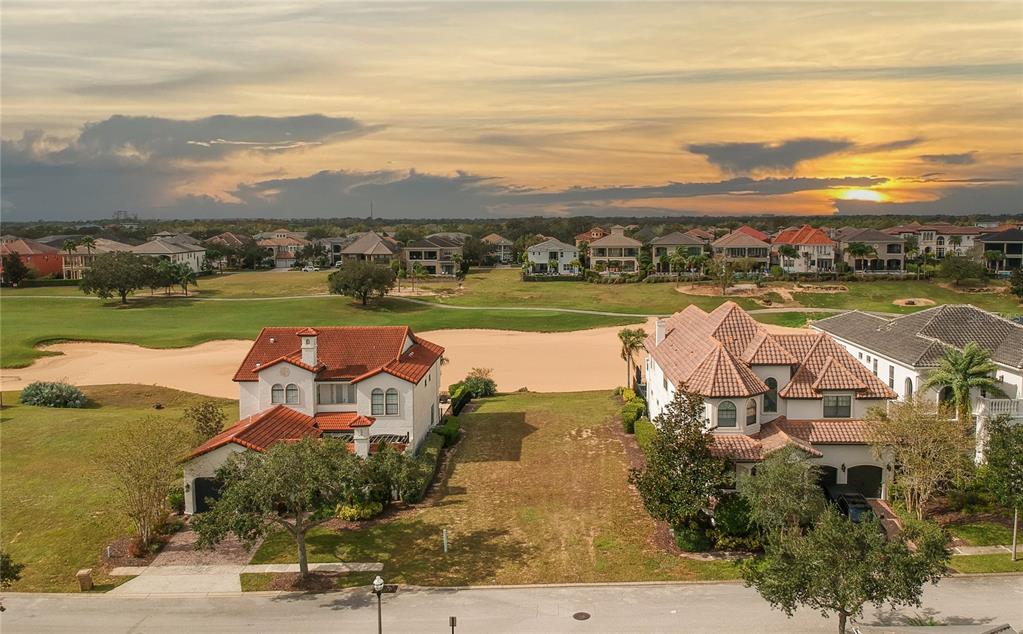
pixel 740 245
pixel 764 391
pixel 57 241
pixel 231 240
pixel 435 254
pixel 889 255
pixel 453 236
pixel 756 233
pixel 664 247
pixel 615 253
pixel 553 257
pixel 501 248
pixel 180 238
pixel 594 234
pixel 334 245
pixel 366 385
pixel 41 259
pixel 284 250
pixel 180 253
pixel 281 233
pixel 1009 243
pixel 371 247
pixel 701 234
pixel 816 251
pixel 939 238
pixel 74 264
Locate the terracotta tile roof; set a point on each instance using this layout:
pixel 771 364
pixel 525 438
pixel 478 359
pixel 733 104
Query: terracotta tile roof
pixel 804 235
pixel 259 431
pixel 739 239
pixel 341 421
pixel 700 233
pixel 782 432
pixel 721 374
pixel 773 437
pixel 24 246
pixel 738 447
pixel 756 233
pixel 835 376
pixel 823 356
pixel 764 349
pixel 344 352
pixel 825 432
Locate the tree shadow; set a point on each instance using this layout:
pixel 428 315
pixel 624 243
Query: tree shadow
pixel 495 437
pixel 917 617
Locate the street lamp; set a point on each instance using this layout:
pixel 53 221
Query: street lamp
pixel 378 589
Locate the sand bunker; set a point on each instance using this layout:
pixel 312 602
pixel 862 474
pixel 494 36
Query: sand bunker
pixel 542 362
pixel 914 301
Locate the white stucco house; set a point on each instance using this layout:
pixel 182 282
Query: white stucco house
pixel 364 384
pixel 553 257
pixel 902 351
pixel 177 251
pixel 764 391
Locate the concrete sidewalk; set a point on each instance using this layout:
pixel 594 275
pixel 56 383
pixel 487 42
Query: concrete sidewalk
pixel 982 550
pixel 212 579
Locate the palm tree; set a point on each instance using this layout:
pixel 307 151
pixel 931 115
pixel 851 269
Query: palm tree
pixel 632 342
pixel 963 371
pixel 69 248
pixel 994 258
pixel 417 272
pixel 956 241
pixel 912 250
pixel 183 276
pixel 859 250
pixel 88 242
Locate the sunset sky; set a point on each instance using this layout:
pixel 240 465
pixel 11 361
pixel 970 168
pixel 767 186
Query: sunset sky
pixel 286 109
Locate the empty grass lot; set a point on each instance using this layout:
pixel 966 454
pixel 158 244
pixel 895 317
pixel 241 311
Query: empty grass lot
pixel 538 494
pixel 57 516
pixel 982 533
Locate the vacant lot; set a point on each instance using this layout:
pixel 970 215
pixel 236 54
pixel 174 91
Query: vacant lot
pixel 57 515
pixel 538 494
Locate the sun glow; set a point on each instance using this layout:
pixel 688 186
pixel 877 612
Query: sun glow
pixel 863 194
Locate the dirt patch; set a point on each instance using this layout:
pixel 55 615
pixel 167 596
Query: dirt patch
pixel 707 290
pixel 914 301
pixel 820 288
pixel 180 551
pixel 313 582
pixel 974 289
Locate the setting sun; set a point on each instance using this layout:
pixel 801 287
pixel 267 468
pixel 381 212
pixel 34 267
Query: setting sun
pixel 863 194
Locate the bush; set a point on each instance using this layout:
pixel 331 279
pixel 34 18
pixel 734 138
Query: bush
pixel 460 398
pixel 417 478
pixel 47 394
pixel 207 419
pixel 692 537
pixel 449 430
pixel 479 383
pixel 359 511
pixel 176 499
pixel 645 432
pixel 627 394
pixel 631 412
pixel 749 542
pixel 732 516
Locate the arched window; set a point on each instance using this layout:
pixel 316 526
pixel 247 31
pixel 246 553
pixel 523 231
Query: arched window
pixel 392 402
pixel 377 402
pixel 909 388
pixel 771 396
pixel 726 414
pixel 277 393
pixel 751 412
pixel 291 394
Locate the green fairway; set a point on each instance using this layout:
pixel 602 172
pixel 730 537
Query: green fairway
pixel 57 516
pixel 158 322
pixel 878 296
pixel 538 494
pixel 790 320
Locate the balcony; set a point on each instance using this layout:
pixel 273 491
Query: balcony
pixel 995 407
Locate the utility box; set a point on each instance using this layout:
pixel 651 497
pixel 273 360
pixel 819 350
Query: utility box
pixel 84 577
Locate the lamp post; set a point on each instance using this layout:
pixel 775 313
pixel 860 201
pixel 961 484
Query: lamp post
pixel 378 589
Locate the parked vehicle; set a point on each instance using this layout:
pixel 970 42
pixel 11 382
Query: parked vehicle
pixel 310 269
pixel 850 502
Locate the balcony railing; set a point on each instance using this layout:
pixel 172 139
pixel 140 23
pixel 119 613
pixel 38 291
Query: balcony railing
pixel 995 407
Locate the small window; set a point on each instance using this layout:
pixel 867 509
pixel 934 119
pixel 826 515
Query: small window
pixel 392 402
pixel 875 366
pixel 377 406
pixel 771 396
pixel 726 414
pixel 891 376
pixel 291 394
pixel 861 356
pixel 277 393
pixel 751 412
pixel 837 406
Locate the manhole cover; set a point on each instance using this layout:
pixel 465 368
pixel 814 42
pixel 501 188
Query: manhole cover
pixel 581 616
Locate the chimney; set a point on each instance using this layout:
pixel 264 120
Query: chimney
pixel 309 354
pixel 659 332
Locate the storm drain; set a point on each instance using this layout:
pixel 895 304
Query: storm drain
pixel 581 616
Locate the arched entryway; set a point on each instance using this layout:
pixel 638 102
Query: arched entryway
pixel 866 479
pixel 908 388
pixel 205 489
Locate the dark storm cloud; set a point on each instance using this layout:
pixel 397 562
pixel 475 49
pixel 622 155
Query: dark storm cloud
pixel 784 156
pixel 966 158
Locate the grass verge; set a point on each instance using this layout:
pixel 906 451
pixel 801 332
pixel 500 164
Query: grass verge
pixel 975 564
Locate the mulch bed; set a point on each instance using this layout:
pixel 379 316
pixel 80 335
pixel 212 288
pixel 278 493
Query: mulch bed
pixel 313 582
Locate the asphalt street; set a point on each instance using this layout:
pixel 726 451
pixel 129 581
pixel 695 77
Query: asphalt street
pixel 717 607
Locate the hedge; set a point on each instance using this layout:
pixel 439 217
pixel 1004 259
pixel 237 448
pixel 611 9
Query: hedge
pixel 645 432
pixel 631 412
pixel 426 463
pixel 460 396
pixel 46 281
pixel 449 430
pixel 551 278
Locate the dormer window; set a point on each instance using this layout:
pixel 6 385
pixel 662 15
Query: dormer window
pixel 726 414
pixel 837 406
pixel 291 394
pixel 277 393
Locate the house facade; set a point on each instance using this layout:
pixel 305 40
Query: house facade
pixel 939 239
pixel 739 245
pixel 75 264
pixel 1009 243
pixel 371 247
pixel 43 260
pixel 553 257
pixel 888 256
pixel 191 255
pixel 436 254
pixel 615 253
pixel 815 251
pixel 362 385
pixel 903 350
pixel 663 248
pixel 501 248
pixel 594 234
pixel 764 391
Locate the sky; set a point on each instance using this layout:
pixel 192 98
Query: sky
pixel 447 110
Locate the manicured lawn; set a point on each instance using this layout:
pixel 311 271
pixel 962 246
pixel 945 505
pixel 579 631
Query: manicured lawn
pixel 974 564
pixel 57 516
pixel 538 494
pixel 982 533
pixel 26 322
pixel 878 296
pixel 791 320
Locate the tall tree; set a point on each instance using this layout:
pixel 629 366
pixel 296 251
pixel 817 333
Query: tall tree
pixel 861 251
pixel 1004 470
pixel 632 342
pixel 361 280
pixel 294 486
pixel 964 371
pixel 681 473
pixel 88 242
pixel 912 248
pixel 959 269
pixel 207 419
pixel 785 492
pixel 723 273
pixel 117 272
pixel 838 567
pixel 1016 283
pixel 994 259
pixel 932 450
pixel 14 269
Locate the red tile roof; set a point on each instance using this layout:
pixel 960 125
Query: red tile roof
pixel 780 432
pixel 344 352
pixel 750 231
pixel 804 235
pixel 700 233
pixel 828 366
pixel 341 421
pixel 24 246
pixel 259 431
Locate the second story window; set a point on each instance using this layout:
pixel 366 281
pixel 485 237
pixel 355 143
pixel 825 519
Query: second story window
pixel 726 414
pixel 771 396
pixel 277 393
pixel 751 412
pixel 377 402
pixel 837 406
pixel 335 393
pixel 392 402
pixel 291 394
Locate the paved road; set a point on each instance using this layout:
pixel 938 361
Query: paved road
pixel 718 608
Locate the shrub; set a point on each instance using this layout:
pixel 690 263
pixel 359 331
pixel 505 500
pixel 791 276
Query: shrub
pixel 645 432
pixel 47 394
pixel 359 510
pixel 417 478
pixel 10 570
pixel 459 399
pixel 732 516
pixel 479 383
pixel 750 542
pixel 176 499
pixel 631 412
pixel 627 394
pixel 692 537
pixel 207 419
pixel 449 430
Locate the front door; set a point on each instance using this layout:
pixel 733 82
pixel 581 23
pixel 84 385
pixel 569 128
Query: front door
pixel 205 489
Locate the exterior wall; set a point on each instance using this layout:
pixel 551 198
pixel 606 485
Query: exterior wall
pixel 404 421
pixel 838 455
pixel 812 258
pixel 425 406
pixel 782 374
pixel 205 466
pixel 564 258
pixel 44 264
pixel 248 398
pixel 285 373
pixel 813 409
pixel 436 260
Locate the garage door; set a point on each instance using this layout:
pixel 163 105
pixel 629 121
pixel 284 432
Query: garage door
pixel 205 489
pixel 866 479
pixel 828 476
